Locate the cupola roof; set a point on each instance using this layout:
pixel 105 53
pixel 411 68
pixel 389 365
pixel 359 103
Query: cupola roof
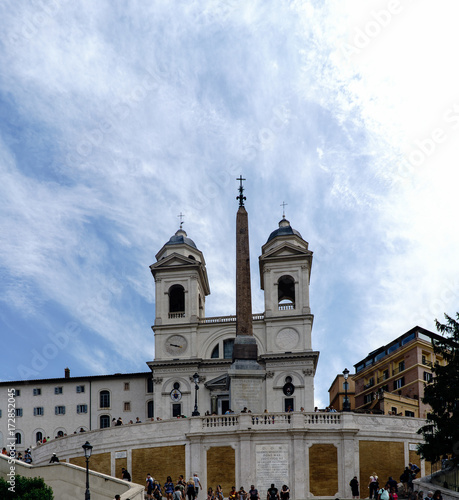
pixel 285 229
pixel 180 237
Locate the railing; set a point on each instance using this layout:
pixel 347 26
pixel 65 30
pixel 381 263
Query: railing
pixel 448 479
pixel 271 419
pixel 323 418
pixel 286 307
pixel 176 315
pixel 220 421
pixel 228 319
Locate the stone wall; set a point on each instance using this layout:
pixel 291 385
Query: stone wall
pixel 320 452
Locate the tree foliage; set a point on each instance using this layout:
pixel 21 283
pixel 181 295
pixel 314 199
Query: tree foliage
pixel 441 433
pixel 26 488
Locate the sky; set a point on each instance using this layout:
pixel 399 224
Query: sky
pixel 118 116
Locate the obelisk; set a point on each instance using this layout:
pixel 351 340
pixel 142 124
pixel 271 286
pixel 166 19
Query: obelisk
pixel 245 375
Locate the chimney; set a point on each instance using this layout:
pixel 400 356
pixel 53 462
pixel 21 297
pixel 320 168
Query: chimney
pixel 67 373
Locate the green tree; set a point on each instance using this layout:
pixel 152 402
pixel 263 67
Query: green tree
pixel 441 433
pixel 26 488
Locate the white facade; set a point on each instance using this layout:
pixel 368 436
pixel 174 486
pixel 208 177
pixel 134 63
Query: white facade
pixel 186 342
pixel 63 406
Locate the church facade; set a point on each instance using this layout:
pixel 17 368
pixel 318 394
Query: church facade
pixel 188 343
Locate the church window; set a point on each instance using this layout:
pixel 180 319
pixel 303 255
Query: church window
pixel 104 421
pixel 18 438
pixel 104 399
pixel 149 384
pixel 286 292
pixel 60 434
pixel 289 404
pixel 216 352
pixel 38 436
pixel 176 299
pixel 127 406
pixel 176 409
pixel 176 385
pixel 228 348
pixel 150 412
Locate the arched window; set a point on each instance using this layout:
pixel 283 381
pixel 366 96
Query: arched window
pixel 150 412
pixel 176 299
pixel 216 352
pixel 104 399
pixel 60 434
pixel 286 292
pixel 18 438
pixel 38 436
pixel 104 421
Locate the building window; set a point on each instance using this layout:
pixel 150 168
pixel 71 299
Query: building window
pixel 38 411
pixel 368 398
pixel 18 412
pixel 409 413
pixel 104 421
pixel 127 406
pixel 289 404
pixel 126 386
pixel 18 438
pixel 150 412
pixel 37 391
pixel 59 410
pixel 149 385
pixel 286 292
pixel 58 390
pixel 60 434
pixel 228 345
pixel 176 299
pixel 401 366
pixel 176 409
pixel 399 383
pixel 17 392
pixel 394 410
pixel 80 389
pixel 82 408
pixel 38 436
pixel 216 352
pixel 104 399
pixel 427 377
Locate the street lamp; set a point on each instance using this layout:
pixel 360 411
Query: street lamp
pixel 346 405
pixel 196 389
pixel 87 453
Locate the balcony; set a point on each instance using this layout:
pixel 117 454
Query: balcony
pixel 228 319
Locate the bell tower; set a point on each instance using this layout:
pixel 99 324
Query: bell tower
pixel 181 285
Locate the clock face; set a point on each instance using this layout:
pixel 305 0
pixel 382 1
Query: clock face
pixel 176 395
pixel 176 345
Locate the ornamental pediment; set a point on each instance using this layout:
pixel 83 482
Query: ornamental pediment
pixel 286 250
pixel 174 259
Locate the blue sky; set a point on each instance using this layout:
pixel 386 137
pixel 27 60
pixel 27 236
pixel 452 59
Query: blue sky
pixel 116 117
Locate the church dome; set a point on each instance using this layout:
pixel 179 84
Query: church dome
pixel 285 229
pixel 179 238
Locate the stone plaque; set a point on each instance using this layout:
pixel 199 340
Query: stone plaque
pixel 120 454
pixel 272 467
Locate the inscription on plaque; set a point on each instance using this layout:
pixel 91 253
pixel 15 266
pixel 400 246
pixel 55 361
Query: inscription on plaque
pixel 272 467
pixel 120 454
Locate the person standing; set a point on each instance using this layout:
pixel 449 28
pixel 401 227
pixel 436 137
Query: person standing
pixel 354 484
pixel 373 486
pixel 197 484
pixel 149 486
pixel 190 489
